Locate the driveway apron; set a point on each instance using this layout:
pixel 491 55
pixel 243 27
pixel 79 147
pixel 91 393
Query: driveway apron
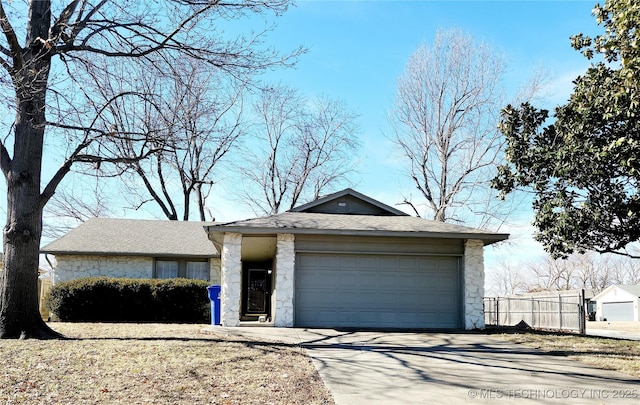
pixel 448 368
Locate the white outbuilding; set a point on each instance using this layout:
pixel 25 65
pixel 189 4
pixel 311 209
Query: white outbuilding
pixel 618 303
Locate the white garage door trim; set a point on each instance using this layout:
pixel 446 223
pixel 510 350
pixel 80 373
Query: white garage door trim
pixel 378 290
pixel 617 311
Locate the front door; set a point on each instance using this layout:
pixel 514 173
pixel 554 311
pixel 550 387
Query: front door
pixel 256 300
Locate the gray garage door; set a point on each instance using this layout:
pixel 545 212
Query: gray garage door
pixel 387 291
pixel 617 311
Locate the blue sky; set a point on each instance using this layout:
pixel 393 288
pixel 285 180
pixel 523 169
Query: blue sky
pixel 359 48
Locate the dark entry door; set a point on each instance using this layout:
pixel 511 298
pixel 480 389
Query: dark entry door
pixel 257 289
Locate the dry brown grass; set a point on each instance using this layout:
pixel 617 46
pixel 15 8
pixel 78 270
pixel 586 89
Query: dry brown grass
pixel 159 364
pixel 619 325
pixel 610 354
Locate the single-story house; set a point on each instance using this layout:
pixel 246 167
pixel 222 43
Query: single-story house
pixel 344 260
pixel 347 260
pixel 618 303
pixel 134 248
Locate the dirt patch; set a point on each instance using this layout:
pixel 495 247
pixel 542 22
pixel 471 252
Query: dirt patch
pixel 159 364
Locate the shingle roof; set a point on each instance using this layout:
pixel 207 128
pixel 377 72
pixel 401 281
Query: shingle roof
pixel 630 288
pixel 108 236
pixel 339 224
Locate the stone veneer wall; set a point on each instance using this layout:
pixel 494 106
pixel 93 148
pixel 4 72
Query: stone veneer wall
pixel 71 267
pixel 231 281
pixel 473 284
pixel 284 283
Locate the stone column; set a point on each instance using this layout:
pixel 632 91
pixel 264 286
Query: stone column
pixel 231 263
pixel 473 284
pixel 284 287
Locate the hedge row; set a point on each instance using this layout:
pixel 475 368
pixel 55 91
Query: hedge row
pixel 102 299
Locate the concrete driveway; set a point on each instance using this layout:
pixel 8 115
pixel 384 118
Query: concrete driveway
pixel 446 368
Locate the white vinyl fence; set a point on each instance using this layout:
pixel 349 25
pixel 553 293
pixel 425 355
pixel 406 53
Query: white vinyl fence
pixel 549 310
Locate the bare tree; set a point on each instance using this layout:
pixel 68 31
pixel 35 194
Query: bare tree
pixel 444 121
pixel 553 274
pixel 199 121
pixel 70 206
pixel 507 279
pixel 633 273
pixel 592 271
pixel 621 270
pixel 306 149
pixel 587 270
pixel 44 75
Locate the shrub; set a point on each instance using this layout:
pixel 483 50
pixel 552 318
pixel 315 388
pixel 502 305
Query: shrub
pixel 101 299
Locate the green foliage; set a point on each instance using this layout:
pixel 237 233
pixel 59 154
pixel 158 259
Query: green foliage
pixel 583 167
pixel 101 299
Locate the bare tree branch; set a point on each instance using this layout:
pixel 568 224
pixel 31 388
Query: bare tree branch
pixel 307 149
pixel 444 124
pixel 14 50
pixel 50 76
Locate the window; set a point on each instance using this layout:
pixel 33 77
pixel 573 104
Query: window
pixel 171 268
pixel 198 270
pixel 166 269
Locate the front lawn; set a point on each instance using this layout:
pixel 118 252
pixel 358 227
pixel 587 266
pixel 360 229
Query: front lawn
pixel 610 354
pixel 155 364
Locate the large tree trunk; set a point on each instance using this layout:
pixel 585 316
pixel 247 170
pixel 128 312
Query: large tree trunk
pixel 19 312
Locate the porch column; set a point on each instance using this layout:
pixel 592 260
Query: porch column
pixel 473 284
pixel 284 287
pixel 231 262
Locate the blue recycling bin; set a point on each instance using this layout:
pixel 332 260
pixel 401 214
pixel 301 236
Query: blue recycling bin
pixel 214 297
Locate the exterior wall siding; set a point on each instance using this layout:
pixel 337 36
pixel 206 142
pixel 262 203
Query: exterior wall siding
pixel 284 283
pixel 372 244
pixel 71 267
pixel 348 205
pixel 473 285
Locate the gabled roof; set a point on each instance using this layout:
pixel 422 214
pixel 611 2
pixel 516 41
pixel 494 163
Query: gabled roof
pixel 363 225
pixel 134 237
pixel 366 205
pixel 629 288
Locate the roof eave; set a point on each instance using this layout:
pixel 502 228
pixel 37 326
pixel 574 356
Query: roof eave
pixel 487 238
pixel 136 254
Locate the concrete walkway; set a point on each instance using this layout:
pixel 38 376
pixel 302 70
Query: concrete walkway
pixel 446 368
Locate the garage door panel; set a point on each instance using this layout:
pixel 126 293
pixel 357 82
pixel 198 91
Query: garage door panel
pixel 618 311
pixel 442 302
pixel 377 291
pixel 319 299
pixel 367 262
pixel 371 283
